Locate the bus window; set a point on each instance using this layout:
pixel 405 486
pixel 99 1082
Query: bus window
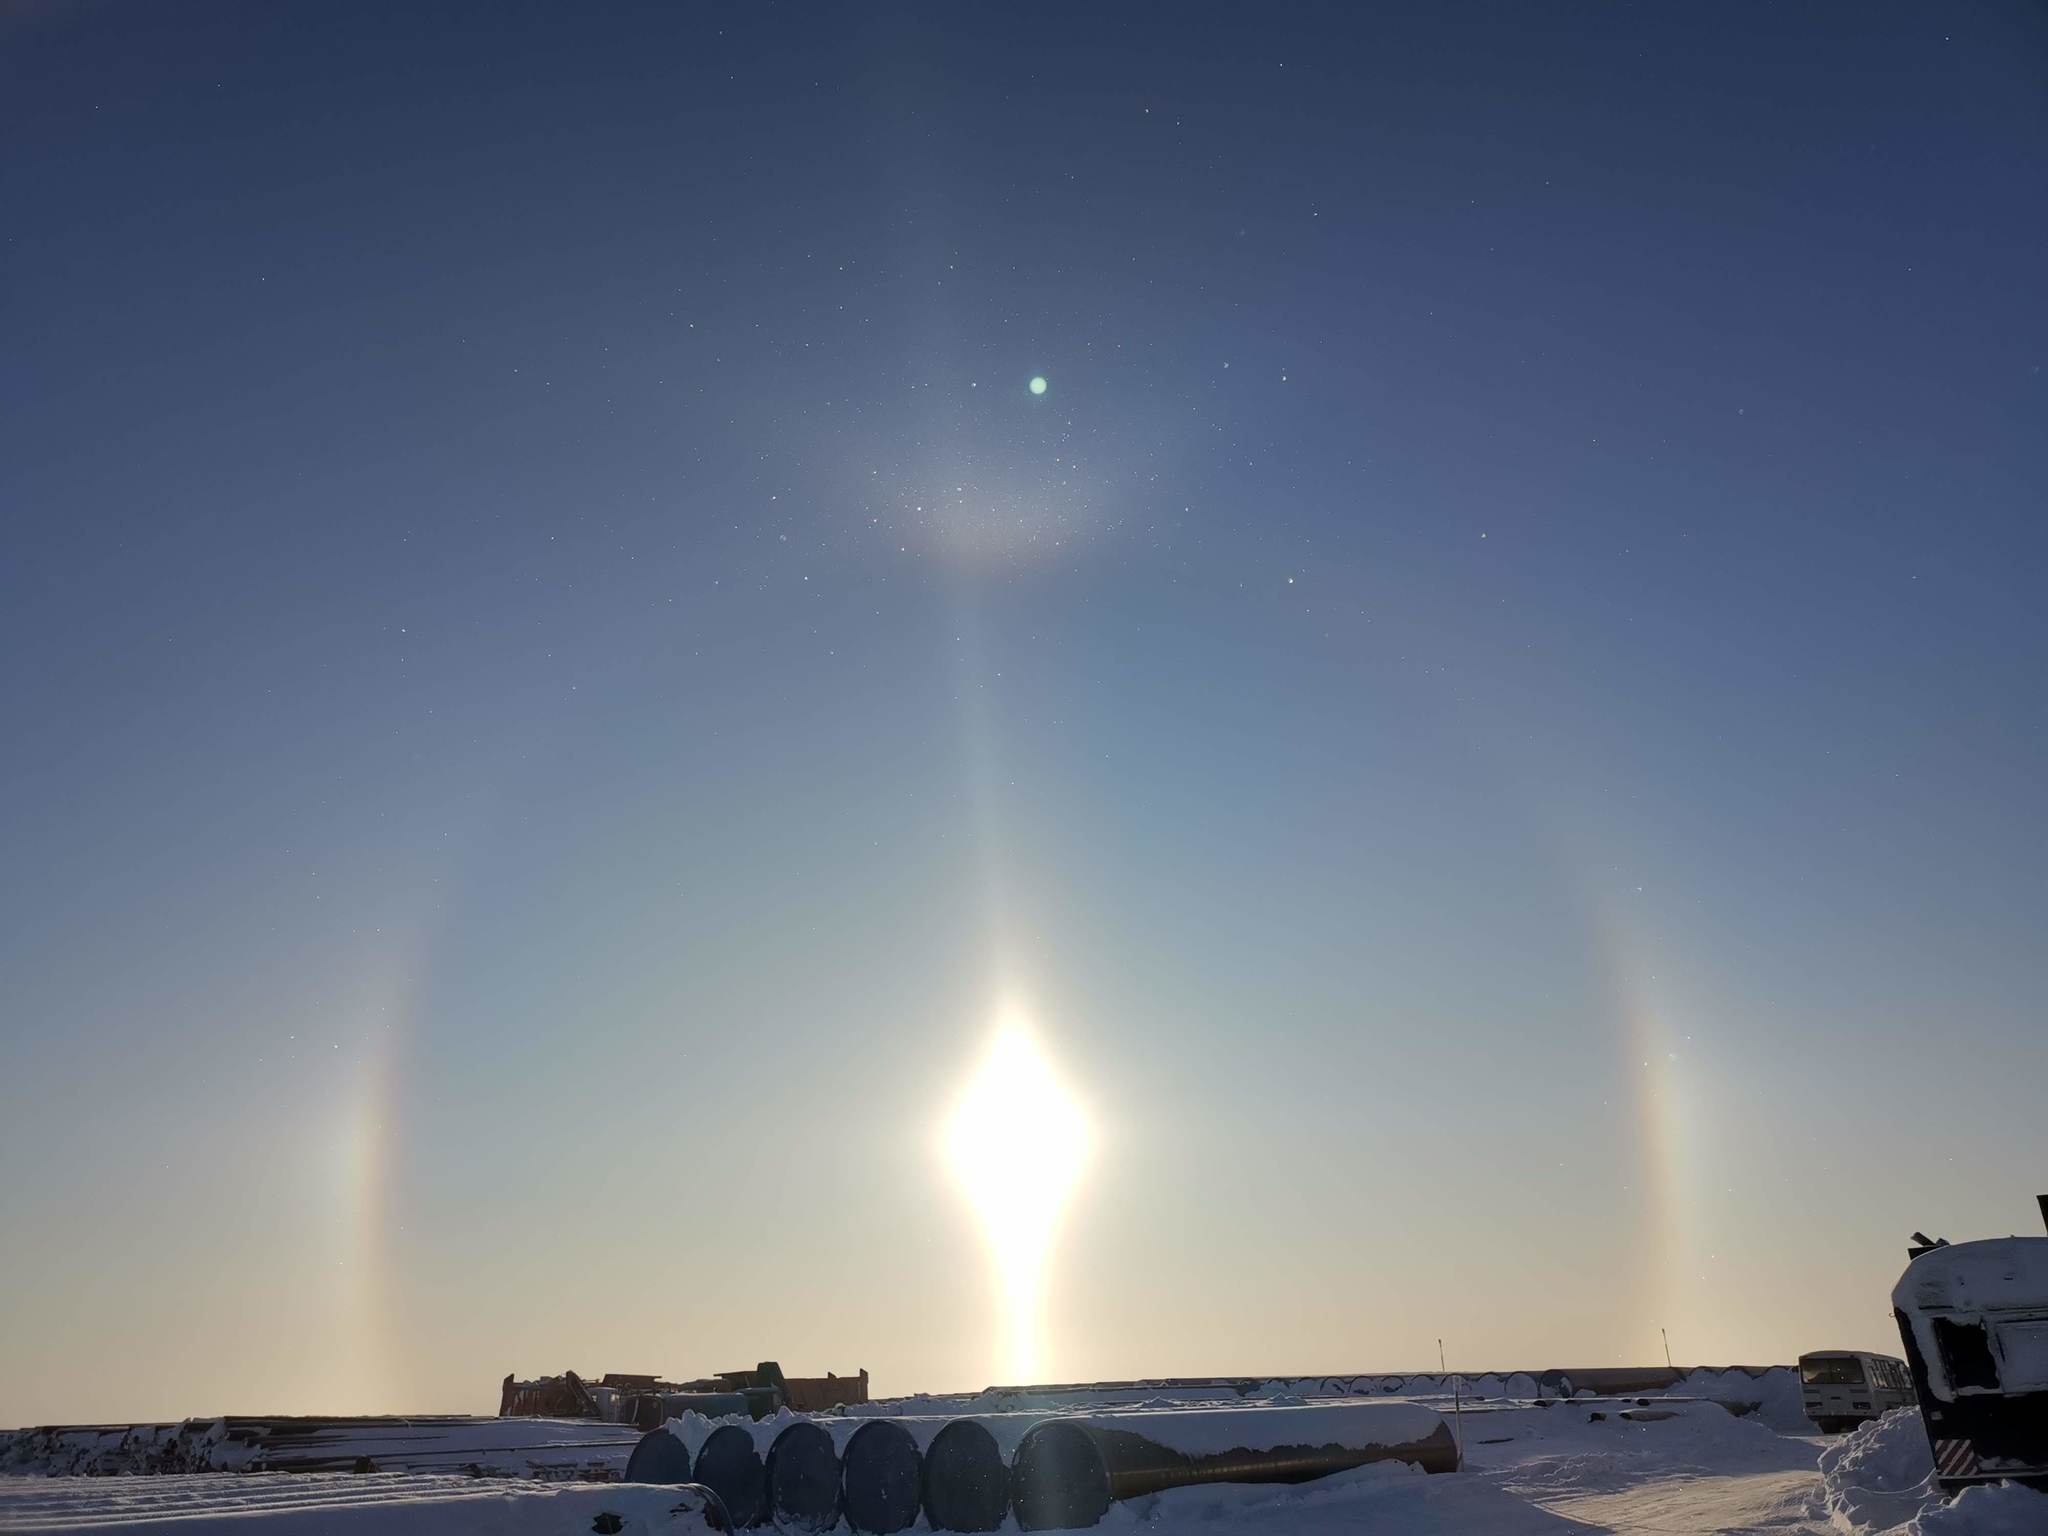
pixel 1831 1371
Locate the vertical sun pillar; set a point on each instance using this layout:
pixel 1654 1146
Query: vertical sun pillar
pixel 1016 1143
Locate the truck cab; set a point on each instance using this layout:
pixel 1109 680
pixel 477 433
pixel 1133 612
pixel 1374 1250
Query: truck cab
pixel 1974 1321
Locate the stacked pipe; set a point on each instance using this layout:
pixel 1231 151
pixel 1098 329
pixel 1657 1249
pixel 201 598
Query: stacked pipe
pixel 1051 1471
pixel 1069 1470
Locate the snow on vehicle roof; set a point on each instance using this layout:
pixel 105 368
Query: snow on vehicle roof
pixel 1989 1275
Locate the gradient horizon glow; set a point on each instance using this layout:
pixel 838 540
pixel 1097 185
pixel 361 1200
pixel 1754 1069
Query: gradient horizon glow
pixel 598 774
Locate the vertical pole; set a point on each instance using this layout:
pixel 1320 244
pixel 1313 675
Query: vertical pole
pixel 1457 1401
pixel 1667 1349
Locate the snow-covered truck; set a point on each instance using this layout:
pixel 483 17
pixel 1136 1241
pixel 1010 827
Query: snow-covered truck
pixel 1974 1320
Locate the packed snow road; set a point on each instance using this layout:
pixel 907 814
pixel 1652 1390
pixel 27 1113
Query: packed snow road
pixel 1565 1470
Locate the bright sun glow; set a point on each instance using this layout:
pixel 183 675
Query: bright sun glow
pixel 1038 386
pixel 1016 1143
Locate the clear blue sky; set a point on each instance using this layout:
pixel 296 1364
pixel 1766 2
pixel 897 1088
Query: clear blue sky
pixel 554 672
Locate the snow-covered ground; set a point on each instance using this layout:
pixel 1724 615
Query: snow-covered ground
pixel 313 1504
pixel 564 1450
pixel 1678 1467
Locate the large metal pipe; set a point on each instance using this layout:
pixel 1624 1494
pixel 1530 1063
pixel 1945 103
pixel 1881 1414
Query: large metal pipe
pixel 1067 1475
pixel 730 1466
pixel 658 1457
pixel 965 1486
pixel 880 1481
pixel 1069 1471
pixel 802 1478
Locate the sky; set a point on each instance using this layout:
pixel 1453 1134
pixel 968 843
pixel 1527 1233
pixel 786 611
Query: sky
pixel 1483 735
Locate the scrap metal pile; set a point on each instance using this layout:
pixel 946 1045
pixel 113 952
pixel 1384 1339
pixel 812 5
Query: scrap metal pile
pixel 622 1398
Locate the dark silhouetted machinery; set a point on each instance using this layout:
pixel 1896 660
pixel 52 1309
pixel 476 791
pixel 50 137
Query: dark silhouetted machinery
pixel 623 1398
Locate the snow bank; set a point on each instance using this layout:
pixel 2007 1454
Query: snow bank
pixel 1775 1392
pixel 1879 1481
pixel 322 1504
pixel 1994 1509
pixel 1573 1450
pixel 1880 1475
pixel 1386 1497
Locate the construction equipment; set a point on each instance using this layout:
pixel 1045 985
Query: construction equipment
pixel 626 1398
pixel 1974 1320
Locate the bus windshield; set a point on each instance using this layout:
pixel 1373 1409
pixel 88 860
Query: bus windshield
pixel 1831 1371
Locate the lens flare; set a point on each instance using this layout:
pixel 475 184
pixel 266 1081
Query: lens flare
pixel 1016 1143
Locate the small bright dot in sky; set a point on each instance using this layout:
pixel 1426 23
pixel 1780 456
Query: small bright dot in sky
pixel 1038 384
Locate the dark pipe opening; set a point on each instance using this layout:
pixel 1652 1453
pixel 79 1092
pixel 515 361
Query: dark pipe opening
pixel 659 1457
pixel 880 1479
pixel 803 1479
pixel 1061 1480
pixel 730 1467
pixel 966 1485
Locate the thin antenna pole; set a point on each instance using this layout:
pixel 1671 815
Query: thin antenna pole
pixel 1457 1400
pixel 1667 1349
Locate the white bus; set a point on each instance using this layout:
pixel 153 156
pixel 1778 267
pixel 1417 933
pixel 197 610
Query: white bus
pixel 1841 1388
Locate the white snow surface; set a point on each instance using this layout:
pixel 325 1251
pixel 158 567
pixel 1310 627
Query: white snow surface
pixel 1775 1393
pixel 315 1504
pixel 1879 1481
pixel 1998 1509
pixel 1879 1476
pixel 1569 1469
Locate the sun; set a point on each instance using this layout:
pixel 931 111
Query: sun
pixel 1038 384
pixel 1017 1142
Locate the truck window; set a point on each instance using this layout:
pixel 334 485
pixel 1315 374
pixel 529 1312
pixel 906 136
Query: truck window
pixel 1966 1352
